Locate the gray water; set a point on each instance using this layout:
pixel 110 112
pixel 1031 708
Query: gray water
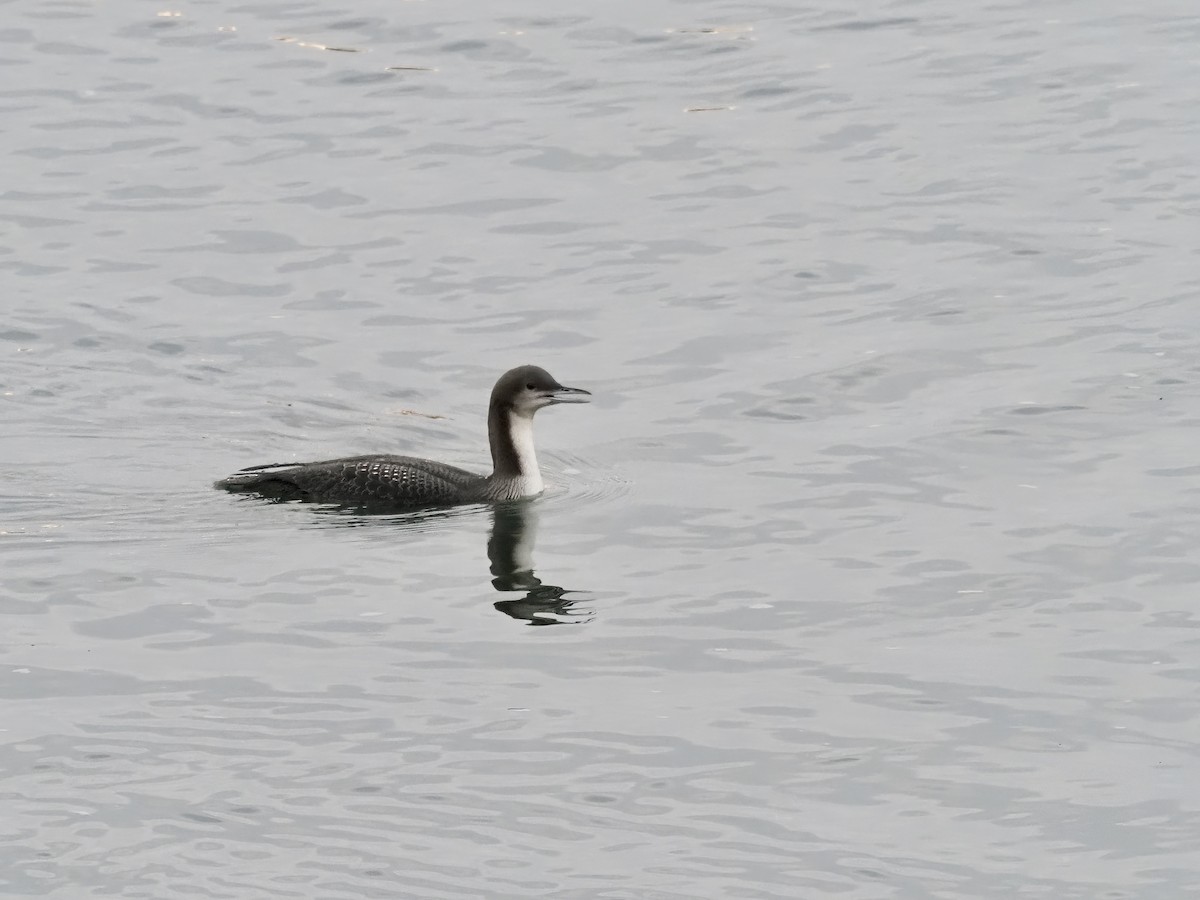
pixel 868 574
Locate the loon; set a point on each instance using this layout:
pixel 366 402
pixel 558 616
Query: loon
pixel 408 482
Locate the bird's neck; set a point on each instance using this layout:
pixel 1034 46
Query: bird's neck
pixel 513 455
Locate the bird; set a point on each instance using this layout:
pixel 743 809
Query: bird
pixel 409 482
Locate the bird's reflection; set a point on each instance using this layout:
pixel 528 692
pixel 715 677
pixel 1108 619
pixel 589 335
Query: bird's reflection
pixel 510 551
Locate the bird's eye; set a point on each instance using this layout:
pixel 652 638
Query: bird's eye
pixel 531 386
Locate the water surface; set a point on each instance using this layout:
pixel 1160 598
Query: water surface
pixel 868 574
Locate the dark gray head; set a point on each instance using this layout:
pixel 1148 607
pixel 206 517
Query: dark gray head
pixel 526 389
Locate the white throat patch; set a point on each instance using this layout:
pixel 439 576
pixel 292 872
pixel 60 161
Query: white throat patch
pixel 530 480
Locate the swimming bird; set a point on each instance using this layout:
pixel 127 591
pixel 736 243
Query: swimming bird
pixel 408 482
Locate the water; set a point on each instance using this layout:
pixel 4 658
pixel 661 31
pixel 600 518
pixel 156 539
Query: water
pixel 868 574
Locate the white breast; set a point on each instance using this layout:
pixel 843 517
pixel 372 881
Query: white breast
pixel 529 482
